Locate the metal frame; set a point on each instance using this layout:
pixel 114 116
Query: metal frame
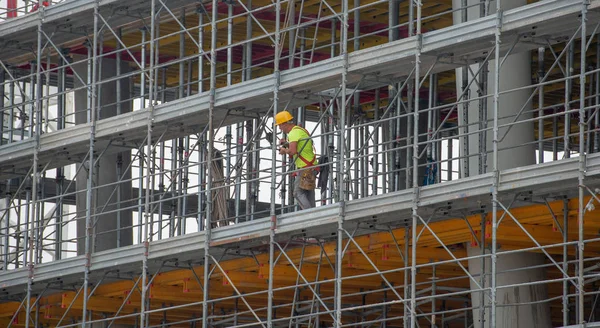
pixel 378 201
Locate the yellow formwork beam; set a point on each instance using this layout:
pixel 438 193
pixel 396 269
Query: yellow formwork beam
pixel 99 303
pixel 250 275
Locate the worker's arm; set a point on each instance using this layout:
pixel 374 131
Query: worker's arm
pixel 291 150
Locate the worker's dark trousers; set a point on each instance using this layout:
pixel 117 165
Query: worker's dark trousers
pixel 304 198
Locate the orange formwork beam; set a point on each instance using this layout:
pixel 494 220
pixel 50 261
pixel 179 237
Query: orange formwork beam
pixel 249 275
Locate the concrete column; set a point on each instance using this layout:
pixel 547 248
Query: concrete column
pixel 105 231
pixel 524 316
pixel 516 72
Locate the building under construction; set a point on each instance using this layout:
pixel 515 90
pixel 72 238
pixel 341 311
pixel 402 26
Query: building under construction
pixel 459 157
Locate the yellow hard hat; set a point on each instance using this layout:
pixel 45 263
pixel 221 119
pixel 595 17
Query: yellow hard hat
pixel 283 117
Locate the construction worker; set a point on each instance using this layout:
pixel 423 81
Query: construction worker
pixel 299 146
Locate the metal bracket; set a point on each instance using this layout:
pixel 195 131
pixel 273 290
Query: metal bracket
pixel 342 210
pixel 499 18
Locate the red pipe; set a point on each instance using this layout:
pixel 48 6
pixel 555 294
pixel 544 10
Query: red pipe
pixel 11 7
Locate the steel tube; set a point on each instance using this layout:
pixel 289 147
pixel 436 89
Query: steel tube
pixel 597 97
pixel 375 157
pixel 406 269
pixel 293 32
pixel 141 159
pixel 565 265
pixel 249 167
pixel 118 72
pixel 333 37
pixel 143 68
pixel 341 161
pixel 211 139
pixel 181 75
pixel 239 141
pixel 482 277
pixel 415 172
pixel 6 229
pixel 555 136
pixel 483 122
pixel 567 103
pixel 25 228
pixel 89 191
pixel 202 195
pixel 495 168
pixel 248 45
pixel 149 177
pixel 301 118
pixel 2 110
pixel 119 169
pixel 185 182
pixel 274 145
pixel 409 138
pixel 11 114
pixel 201 166
pixel 32 92
pixel 200 11
pixel 229 41
pixel 582 167
pixel 331 150
pixel 450 167
pixel 161 185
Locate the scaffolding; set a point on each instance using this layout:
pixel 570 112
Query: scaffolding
pixel 142 186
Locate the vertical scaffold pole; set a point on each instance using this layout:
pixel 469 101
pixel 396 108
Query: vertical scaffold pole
pixel 463 128
pixel 359 169
pixel 246 76
pixel 209 155
pixel 31 114
pixel 597 93
pixel 141 157
pixel 276 75
pixel 496 177
pixel 415 169
pixel 341 159
pixel 483 114
pixel 582 156
pixel 201 12
pixel 388 156
pixel 405 307
pixel 89 192
pixel 143 71
pixel 565 265
pixel 34 181
pixel 118 61
pixel 567 104
pixel 119 164
pixel 541 51
pixel 229 47
pixel 149 184
pixel 6 227
pixel 228 133
pixel 375 185
pixel 248 49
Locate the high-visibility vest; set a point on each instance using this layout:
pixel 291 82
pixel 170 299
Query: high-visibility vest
pixel 298 151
